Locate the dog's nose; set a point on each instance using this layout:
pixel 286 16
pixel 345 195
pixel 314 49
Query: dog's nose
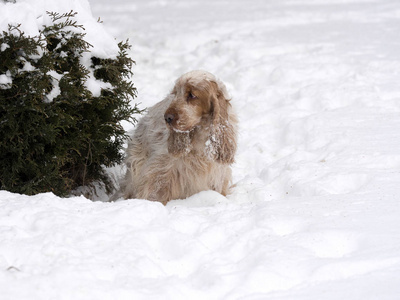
pixel 169 118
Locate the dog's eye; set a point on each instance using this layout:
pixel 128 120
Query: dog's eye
pixel 191 96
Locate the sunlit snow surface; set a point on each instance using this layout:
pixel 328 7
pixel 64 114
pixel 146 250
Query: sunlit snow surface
pixel 316 209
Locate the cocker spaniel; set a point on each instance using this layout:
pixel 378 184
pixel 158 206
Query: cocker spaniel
pixel 185 144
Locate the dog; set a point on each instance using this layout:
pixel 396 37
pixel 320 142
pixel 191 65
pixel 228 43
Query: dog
pixel 185 144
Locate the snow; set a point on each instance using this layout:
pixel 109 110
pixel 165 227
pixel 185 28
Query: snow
pixel 3 47
pixel 32 15
pixel 5 80
pixel 315 213
pixel 55 91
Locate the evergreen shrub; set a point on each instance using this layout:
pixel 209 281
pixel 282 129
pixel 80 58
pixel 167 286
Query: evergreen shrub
pixel 56 134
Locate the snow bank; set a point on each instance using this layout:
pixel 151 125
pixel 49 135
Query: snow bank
pixel 315 213
pixel 206 247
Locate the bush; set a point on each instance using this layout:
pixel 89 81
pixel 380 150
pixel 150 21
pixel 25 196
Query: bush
pixel 56 133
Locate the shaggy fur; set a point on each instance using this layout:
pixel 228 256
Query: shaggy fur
pixel 185 144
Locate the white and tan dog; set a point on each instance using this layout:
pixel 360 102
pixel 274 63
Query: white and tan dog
pixel 185 144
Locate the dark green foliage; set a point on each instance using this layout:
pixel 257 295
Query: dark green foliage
pixel 55 134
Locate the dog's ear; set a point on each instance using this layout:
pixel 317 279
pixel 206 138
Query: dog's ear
pixel 222 133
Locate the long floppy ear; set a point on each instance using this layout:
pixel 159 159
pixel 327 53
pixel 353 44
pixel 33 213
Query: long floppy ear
pixel 223 132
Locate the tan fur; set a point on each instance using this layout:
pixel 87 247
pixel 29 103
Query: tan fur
pixel 190 154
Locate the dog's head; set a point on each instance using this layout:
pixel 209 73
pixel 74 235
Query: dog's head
pixel 200 100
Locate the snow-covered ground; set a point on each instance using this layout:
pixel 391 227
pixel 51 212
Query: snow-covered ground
pixel 316 210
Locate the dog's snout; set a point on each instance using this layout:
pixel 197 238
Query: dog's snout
pixel 169 118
